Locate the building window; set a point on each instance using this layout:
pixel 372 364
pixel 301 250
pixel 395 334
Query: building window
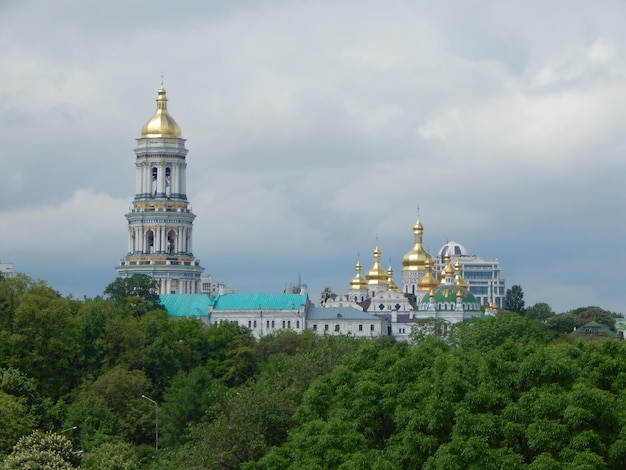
pixel 372 327
pixel 297 323
pixel 255 323
pixel 272 323
pixel 314 327
pixel 360 327
pixel 325 327
pixel 249 324
pixel 337 328
pixel 268 323
pixel 283 324
pixel 288 323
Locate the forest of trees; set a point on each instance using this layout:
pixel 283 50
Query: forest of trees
pixel 82 383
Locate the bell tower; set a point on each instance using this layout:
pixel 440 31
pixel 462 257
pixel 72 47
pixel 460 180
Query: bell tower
pixel 160 221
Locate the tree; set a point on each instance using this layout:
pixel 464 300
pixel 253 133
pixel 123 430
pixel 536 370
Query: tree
pixel 121 390
pixel 540 311
pixel 514 299
pixel 487 333
pixel 431 327
pixel 192 398
pixel 39 451
pixel 111 456
pixel 566 322
pixel 42 340
pixel 137 285
pixel 21 408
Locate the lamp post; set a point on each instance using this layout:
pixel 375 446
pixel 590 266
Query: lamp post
pixel 156 427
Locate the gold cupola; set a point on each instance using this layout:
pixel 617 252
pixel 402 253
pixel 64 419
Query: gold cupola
pixel 447 272
pixel 392 284
pixel 161 124
pixel 357 282
pixel 415 260
pixel 428 280
pixel 377 275
pixel 458 280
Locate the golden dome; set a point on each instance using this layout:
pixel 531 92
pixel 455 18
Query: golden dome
pixel 392 284
pixel 377 275
pixel 447 271
pixel 428 281
pixel 357 282
pixel 161 124
pixel 458 280
pixel 415 260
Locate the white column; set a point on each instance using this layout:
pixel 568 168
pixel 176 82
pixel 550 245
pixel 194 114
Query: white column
pixel 183 179
pixel 174 179
pixel 183 237
pixel 148 178
pixel 159 180
pixel 137 178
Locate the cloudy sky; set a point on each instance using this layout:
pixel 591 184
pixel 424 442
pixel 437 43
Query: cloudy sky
pixel 315 128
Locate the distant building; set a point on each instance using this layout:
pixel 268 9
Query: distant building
pixel 482 275
pixel 266 314
pixel 6 270
pixel 211 286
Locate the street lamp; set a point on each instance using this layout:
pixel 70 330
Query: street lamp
pixel 156 427
pixel 68 429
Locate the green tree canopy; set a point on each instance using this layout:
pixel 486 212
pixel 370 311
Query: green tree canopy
pixel 540 311
pixel 137 285
pixel 514 299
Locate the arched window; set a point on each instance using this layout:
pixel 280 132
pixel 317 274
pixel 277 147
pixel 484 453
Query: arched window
pixel 149 245
pixel 155 172
pixel 171 242
pixel 168 176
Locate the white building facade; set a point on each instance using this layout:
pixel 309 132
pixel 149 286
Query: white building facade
pixel 6 270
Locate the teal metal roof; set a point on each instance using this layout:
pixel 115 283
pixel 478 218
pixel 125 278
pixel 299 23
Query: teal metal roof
pixel 186 305
pixel 259 301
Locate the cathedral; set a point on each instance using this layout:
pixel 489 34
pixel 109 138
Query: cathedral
pixel 160 227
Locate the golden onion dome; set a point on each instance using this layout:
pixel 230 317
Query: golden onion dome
pixel 458 280
pixel 415 260
pixel 161 124
pixel 447 271
pixel 392 284
pixel 428 281
pixel 377 275
pixel 357 282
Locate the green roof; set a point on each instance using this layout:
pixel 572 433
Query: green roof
pixel 448 294
pixel 259 301
pixel 186 305
pixel 593 328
